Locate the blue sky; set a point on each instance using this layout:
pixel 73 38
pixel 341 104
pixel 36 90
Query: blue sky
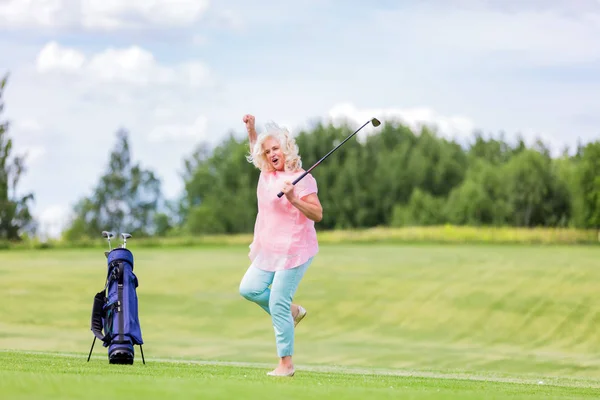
pixel 177 73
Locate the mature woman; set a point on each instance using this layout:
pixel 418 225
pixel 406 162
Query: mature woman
pixel 285 240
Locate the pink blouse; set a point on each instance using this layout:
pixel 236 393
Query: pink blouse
pixel 284 238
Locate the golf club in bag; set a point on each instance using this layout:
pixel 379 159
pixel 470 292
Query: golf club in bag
pixel 115 318
pixel 375 123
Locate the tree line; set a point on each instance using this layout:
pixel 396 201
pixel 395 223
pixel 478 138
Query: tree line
pixel 394 177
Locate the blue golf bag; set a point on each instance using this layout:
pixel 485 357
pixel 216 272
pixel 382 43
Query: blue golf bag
pixel 115 318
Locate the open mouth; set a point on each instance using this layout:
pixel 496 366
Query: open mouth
pixel 275 160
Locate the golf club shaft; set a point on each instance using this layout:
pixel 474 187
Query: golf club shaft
pixel 107 235
pixel 325 156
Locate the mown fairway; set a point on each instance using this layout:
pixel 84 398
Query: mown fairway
pixel 514 313
pixel 26 376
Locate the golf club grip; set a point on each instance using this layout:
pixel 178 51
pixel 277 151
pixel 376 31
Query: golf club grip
pixel 295 181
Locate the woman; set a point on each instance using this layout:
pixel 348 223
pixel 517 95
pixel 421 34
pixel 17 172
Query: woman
pixel 285 240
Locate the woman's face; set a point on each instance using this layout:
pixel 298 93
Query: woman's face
pixel 274 154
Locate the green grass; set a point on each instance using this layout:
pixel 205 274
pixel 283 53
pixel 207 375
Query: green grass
pixel 48 376
pixel 390 235
pixel 467 320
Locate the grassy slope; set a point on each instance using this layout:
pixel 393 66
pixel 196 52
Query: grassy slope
pixel 520 311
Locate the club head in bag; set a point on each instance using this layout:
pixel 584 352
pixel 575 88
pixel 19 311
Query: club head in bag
pixel 108 235
pixel 125 236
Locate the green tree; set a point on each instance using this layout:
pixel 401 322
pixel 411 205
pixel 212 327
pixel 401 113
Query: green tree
pixel 494 151
pixel 480 199
pixel 535 194
pixel 220 189
pixel 348 212
pixel 388 179
pixel 126 198
pixel 589 182
pixel 15 216
pixel 436 164
pixel 422 209
pixel 566 168
pixel 395 177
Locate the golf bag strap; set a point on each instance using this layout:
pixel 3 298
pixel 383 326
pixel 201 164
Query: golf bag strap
pixel 120 298
pixel 97 314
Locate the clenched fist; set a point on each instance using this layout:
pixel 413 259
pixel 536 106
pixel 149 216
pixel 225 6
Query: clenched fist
pixel 249 121
pixel 288 190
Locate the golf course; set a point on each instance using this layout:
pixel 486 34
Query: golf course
pixel 385 320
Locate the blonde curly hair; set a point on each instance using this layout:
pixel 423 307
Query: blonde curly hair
pixel 289 148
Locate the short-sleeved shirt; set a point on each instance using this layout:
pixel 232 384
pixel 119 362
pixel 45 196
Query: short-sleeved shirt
pixel 284 237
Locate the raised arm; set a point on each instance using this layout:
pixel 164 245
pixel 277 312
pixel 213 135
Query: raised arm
pixel 249 120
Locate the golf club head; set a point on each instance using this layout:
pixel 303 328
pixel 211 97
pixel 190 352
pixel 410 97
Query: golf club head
pixel 125 236
pixel 106 254
pixel 375 122
pixel 108 235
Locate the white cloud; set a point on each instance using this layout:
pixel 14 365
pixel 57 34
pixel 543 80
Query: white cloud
pixel 455 126
pixel 52 220
pixel 193 132
pixel 35 13
pixel 132 65
pixel 54 57
pixel 113 14
pixel 101 14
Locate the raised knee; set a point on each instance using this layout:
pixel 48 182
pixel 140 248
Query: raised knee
pixel 245 292
pixel 248 292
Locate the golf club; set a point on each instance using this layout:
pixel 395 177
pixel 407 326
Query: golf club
pixel 375 123
pixel 125 236
pixel 108 235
